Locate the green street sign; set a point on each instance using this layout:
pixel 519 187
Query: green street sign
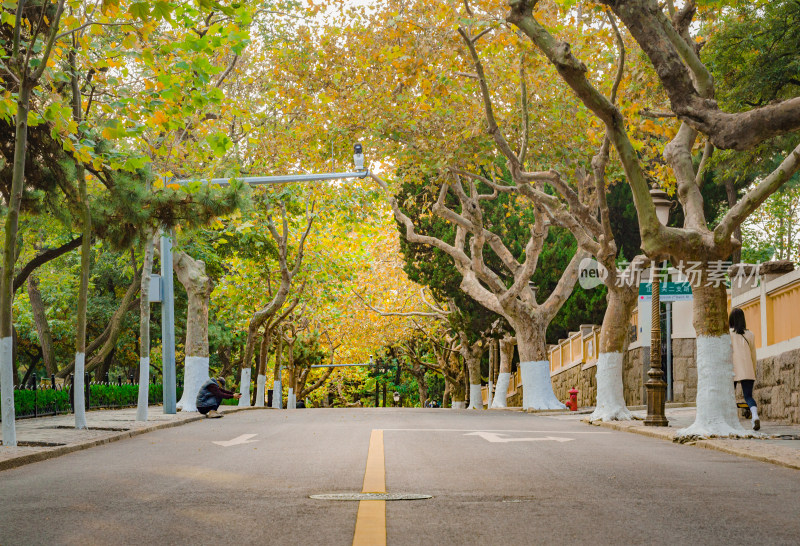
pixel 670 291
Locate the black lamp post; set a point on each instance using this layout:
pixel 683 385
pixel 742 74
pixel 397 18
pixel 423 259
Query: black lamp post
pixel 655 385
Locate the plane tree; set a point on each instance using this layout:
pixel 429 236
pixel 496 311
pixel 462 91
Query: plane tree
pixel 579 205
pixel 665 36
pixel 517 303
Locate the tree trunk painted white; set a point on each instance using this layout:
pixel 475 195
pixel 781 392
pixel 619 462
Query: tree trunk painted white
pixel 507 345
pixel 472 354
pixel 291 403
pixel 144 389
pixel 277 394
pixel 244 388
pixel 457 390
pixel 195 373
pixel 610 404
pixel 144 330
pixel 7 391
pixel 489 388
pixel 78 398
pixel 610 396
pixel 501 390
pixel 537 389
pixel 79 401
pixel 716 402
pixel 192 275
pixel 10 229
pixel 260 390
pixel 475 398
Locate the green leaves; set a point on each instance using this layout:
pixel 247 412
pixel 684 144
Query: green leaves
pixel 162 10
pixel 140 10
pixel 219 144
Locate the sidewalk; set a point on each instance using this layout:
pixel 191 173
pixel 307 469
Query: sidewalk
pixel 780 444
pixel 47 437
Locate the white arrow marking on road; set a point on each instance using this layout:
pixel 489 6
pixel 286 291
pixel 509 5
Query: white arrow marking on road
pixel 243 439
pixel 496 438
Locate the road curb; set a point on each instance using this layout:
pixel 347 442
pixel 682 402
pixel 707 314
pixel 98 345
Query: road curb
pixel 58 451
pixel 712 444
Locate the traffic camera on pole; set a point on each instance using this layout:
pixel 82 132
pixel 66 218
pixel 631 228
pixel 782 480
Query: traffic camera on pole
pixel 358 157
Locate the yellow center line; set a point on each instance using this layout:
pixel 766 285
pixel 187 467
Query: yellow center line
pixel 371 517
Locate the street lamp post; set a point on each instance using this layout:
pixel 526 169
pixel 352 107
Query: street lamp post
pixel 167 288
pixel 655 385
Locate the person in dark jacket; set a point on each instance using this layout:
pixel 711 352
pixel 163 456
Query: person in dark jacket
pixel 210 397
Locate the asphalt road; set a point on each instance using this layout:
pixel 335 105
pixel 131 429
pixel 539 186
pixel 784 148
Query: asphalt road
pixel 583 485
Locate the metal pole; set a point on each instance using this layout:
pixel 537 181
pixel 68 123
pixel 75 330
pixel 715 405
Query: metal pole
pixel 384 386
pixel 377 386
pixel 385 371
pixel 168 325
pixel 655 385
pixel 669 350
pixel 282 179
pixel 168 293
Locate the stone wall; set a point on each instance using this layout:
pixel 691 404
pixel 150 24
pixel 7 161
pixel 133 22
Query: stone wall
pixel 564 381
pixel 632 366
pixel 684 370
pixel 582 379
pixel 777 387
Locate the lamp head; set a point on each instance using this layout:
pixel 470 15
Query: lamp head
pixel 662 203
pixel 533 288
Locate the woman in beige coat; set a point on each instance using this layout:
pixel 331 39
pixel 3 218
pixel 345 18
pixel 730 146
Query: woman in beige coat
pixel 744 360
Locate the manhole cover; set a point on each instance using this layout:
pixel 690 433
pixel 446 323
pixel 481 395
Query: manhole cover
pixel 371 496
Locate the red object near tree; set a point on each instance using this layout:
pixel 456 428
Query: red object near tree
pixel 572 403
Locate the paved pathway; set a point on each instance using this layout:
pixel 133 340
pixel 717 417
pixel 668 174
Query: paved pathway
pixel 46 437
pixel 496 478
pixel 778 443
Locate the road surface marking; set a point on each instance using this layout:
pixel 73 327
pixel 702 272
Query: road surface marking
pixel 496 438
pixel 371 517
pixel 239 440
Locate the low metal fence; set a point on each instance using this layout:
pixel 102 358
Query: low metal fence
pixel 43 397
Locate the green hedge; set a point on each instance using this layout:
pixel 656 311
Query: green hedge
pixel 49 400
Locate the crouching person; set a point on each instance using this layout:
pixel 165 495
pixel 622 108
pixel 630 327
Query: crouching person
pixel 210 397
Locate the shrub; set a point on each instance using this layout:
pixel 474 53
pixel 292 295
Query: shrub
pixel 46 400
pixel 100 395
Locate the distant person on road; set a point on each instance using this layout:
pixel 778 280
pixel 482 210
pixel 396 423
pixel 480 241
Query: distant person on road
pixel 744 360
pixel 211 395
